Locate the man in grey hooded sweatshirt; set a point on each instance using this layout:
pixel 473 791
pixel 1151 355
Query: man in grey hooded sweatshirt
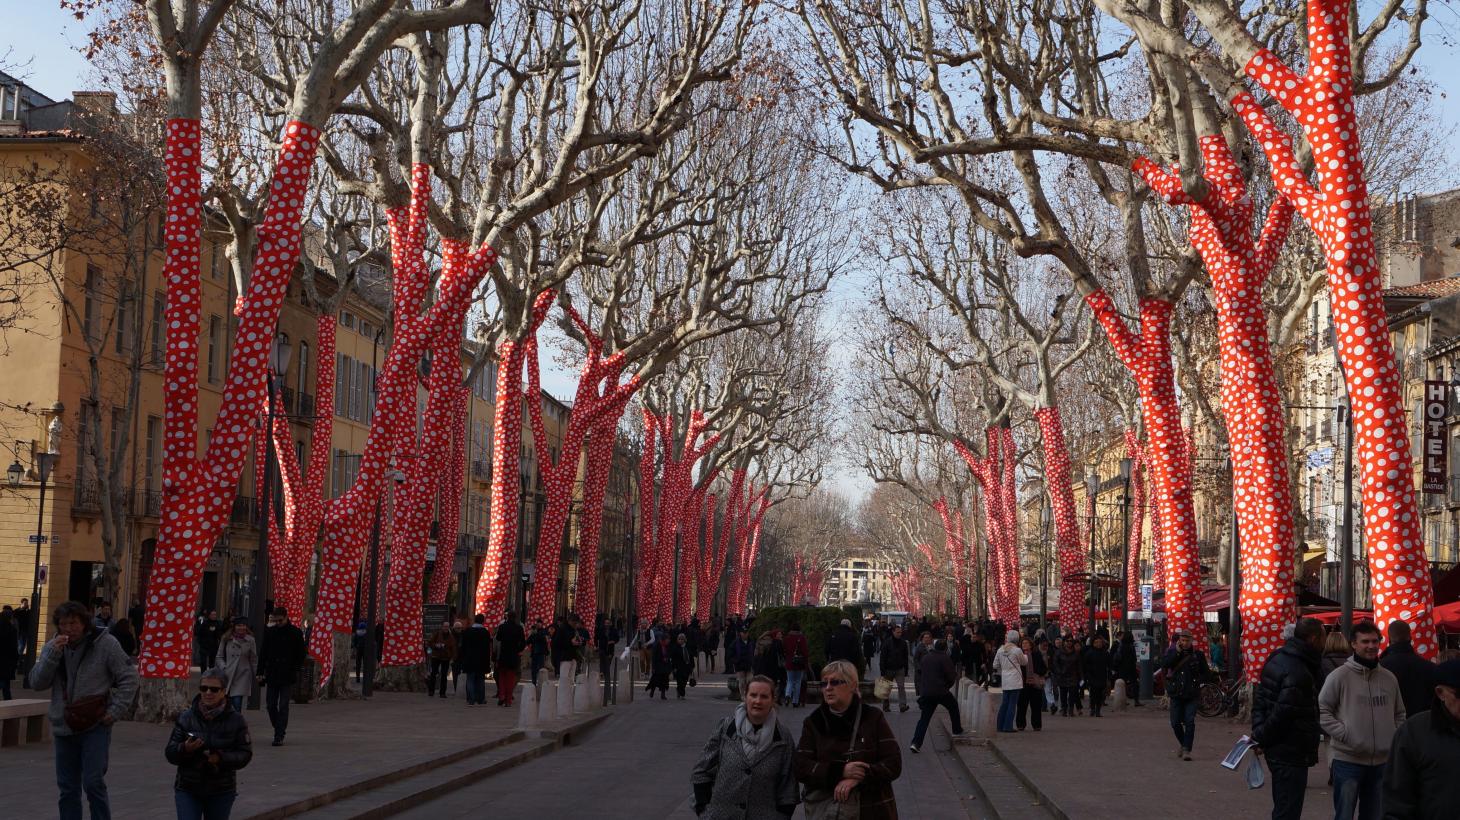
pixel 1360 709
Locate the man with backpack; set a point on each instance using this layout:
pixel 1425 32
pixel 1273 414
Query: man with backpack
pixel 1186 669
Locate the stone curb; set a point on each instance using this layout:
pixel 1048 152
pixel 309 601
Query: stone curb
pixel 560 736
pixel 1049 803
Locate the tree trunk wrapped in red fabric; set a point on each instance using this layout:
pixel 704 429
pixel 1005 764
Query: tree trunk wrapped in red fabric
pixel 1239 265
pixel 449 503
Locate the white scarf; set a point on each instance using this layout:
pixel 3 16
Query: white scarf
pixel 753 741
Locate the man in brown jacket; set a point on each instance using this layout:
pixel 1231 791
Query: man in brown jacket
pixel 1360 708
pixel 442 651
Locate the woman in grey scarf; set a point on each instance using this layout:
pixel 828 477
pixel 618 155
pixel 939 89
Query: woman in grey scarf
pixel 745 770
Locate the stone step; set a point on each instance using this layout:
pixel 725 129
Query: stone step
pixel 1003 793
pixel 392 798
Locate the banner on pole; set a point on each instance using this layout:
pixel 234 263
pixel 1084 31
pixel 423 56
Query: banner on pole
pixel 1433 445
pixel 1146 591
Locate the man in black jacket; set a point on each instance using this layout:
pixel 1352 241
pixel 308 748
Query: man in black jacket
pixel 843 645
pixel 1420 781
pixel 892 661
pixel 938 676
pixel 1285 716
pixel 476 656
pixel 1185 669
pixel 279 661
pixel 510 643
pixel 1095 664
pixel 1416 675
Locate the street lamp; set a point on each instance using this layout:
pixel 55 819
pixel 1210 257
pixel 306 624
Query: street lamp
pixel 1125 473
pixel 1044 516
pixel 43 464
pixel 260 579
pixel 1092 480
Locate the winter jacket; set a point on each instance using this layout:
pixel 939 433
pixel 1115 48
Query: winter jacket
pixel 442 646
pixel 662 659
pixel 227 734
pixel 1416 676
pixel 1065 666
pixel 937 673
pixel 96 665
pixel 740 656
pixel 683 659
pixel 826 747
pixel 844 645
pixel 1127 667
pixel 1359 709
pixel 795 646
pixel 1095 666
pixel 510 643
pixel 1329 662
pixel 282 654
pixel 9 650
pixel 1185 673
pixel 239 658
pixel 893 657
pixel 1009 665
pixel 1420 781
pixel 1285 705
pixel 768 657
pixel 729 785
pixel 475 650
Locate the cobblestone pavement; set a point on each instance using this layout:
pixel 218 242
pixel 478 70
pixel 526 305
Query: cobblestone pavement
pixel 637 765
pixel 329 745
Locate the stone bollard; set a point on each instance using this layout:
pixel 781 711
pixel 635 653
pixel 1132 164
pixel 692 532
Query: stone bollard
pixel 626 681
pixel 548 702
pixel 565 688
pixel 985 713
pixel 593 682
pixel 527 709
pixel 583 694
pixel 1118 699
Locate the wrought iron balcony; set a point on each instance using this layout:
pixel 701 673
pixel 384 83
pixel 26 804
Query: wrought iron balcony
pixel 147 503
pixel 305 411
pixel 245 511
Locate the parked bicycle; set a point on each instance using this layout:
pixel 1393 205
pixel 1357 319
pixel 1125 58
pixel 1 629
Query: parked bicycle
pixel 1219 697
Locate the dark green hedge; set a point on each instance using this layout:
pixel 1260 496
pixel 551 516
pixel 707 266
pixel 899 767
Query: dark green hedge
pixel 818 622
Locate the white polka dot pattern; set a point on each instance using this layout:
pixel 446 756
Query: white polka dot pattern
pixel 449 514
pixel 197 494
pixel 1062 502
pixel 1148 356
pixel 1239 265
pixel 1337 210
pixel 995 474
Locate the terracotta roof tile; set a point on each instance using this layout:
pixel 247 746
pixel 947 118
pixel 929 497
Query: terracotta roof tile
pixel 1433 289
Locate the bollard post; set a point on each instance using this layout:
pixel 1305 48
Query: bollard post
pixel 548 702
pixel 527 709
pixel 565 688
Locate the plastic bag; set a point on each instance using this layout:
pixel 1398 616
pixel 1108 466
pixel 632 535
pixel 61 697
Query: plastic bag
pixel 1255 775
pixel 882 688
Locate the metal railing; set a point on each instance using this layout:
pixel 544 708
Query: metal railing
pixel 86 497
pixel 480 469
pixel 288 400
pixel 1319 528
pixel 245 511
pixel 306 408
pixel 147 503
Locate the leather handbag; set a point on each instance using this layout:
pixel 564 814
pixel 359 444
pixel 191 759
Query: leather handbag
pixel 82 714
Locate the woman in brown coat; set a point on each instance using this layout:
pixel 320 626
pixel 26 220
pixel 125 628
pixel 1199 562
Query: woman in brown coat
pixel 442 650
pixel 835 766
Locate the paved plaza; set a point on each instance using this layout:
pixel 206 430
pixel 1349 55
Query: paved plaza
pixel 411 756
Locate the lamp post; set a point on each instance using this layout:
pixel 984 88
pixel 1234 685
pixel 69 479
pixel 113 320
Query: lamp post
pixel 1044 516
pixel 44 463
pixel 1125 587
pixel 1346 541
pixel 260 579
pixel 1092 480
pixel 368 648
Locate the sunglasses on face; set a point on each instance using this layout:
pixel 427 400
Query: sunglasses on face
pixel 834 682
pixel 210 689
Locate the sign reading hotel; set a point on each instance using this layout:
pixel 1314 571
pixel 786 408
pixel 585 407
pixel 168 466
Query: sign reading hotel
pixel 1433 447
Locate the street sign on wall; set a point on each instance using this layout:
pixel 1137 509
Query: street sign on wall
pixel 1146 606
pixel 1433 449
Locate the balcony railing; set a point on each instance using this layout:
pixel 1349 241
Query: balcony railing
pixel 147 503
pixel 86 497
pixel 288 400
pixel 306 408
pixel 480 469
pixel 1319 528
pixel 245 511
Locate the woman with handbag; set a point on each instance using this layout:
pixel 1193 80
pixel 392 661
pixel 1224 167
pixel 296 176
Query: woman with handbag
pixel 1009 665
pixel 208 745
pixel 92 683
pixel 848 756
pixel 744 772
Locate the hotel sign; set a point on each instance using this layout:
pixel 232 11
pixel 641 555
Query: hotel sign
pixel 1433 450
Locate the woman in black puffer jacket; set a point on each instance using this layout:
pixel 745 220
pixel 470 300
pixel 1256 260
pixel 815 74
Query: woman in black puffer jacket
pixel 209 744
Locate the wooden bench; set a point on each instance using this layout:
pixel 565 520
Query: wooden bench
pixel 24 721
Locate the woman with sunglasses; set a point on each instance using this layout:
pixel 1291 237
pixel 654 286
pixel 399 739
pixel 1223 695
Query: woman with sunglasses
pixel 847 751
pixel 208 745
